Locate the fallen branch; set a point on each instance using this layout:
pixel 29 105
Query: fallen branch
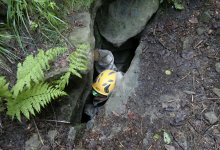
pixel 58 121
pixel 42 142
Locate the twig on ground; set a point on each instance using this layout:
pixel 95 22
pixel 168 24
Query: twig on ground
pixel 58 144
pixel 162 44
pixel 183 77
pixel 42 142
pixel 121 144
pixel 192 100
pixel 208 128
pixel 55 117
pixel 1 123
pixel 193 127
pixel 149 147
pixel 177 141
pixel 141 126
pixel 200 42
pixel 58 121
pixel 214 57
pixel 193 80
pixel 214 98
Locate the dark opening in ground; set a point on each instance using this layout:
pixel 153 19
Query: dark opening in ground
pixel 123 56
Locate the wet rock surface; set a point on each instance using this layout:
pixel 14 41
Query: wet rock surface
pixel 119 20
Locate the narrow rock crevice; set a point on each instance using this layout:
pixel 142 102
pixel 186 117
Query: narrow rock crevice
pixel 117 28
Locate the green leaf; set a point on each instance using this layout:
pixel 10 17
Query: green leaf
pixel 32 100
pixel 156 137
pixel 4 91
pixel 178 4
pixel 32 69
pixel 167 138
pixel 63 81
pixel 79 60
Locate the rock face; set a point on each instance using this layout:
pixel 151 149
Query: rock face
pixel 211 117
pixel 120 20
pixel 82 31
pixel 71 107
pixel 117 101
pixel 33 143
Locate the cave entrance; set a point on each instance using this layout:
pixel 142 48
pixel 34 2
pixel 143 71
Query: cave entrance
pixel 123 56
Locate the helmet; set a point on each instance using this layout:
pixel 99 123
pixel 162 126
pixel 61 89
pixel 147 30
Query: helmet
pixel 105 82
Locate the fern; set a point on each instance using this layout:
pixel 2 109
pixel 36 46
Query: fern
pixel 63 81
pixel 32 100
pixel 31 93
pixel 4 92
pixel 33 68
pixel 77 62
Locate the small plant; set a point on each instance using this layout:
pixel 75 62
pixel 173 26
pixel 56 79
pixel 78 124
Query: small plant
pixel 77 62
pixel 77 4
pixel 21 13
pixel 178 4
pixel 6 51
pixel 31 92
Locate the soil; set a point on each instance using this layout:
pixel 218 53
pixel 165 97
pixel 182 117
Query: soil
pixel 186 45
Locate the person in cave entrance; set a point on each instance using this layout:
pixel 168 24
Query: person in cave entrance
pixel 104 83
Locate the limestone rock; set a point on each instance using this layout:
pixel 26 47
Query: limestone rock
pixel 169 147
pixel 82 32
pixel 205 17
pixel 118 100
pixel 72 134
pixel 170 102
pixel 114 131
pixel 33 143
pixel 182 140
pixel 211 117
pixel 216 91
pixel 52 135
pixel 200 30
pixel 217 67
pixel 71 106
pixel 120 20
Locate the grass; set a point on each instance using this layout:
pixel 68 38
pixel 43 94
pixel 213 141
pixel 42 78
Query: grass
pixel 21 13
pixel 36 21
pixel 81 4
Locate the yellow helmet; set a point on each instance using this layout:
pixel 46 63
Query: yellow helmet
pixel 105 82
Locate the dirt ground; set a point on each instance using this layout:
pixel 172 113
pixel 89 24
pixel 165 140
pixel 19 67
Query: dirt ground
pixel 177 78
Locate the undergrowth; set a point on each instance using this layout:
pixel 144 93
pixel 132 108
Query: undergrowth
pixel 80 4
pixel 31 22
pixel 31 92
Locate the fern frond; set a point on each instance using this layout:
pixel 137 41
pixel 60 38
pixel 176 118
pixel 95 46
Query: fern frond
pixel 4 91
pixel 63 81
pixel 54 52
pixel 32 100
pixel 33 68
pixel 78 60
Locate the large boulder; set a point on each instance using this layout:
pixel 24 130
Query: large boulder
pixel 122 19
